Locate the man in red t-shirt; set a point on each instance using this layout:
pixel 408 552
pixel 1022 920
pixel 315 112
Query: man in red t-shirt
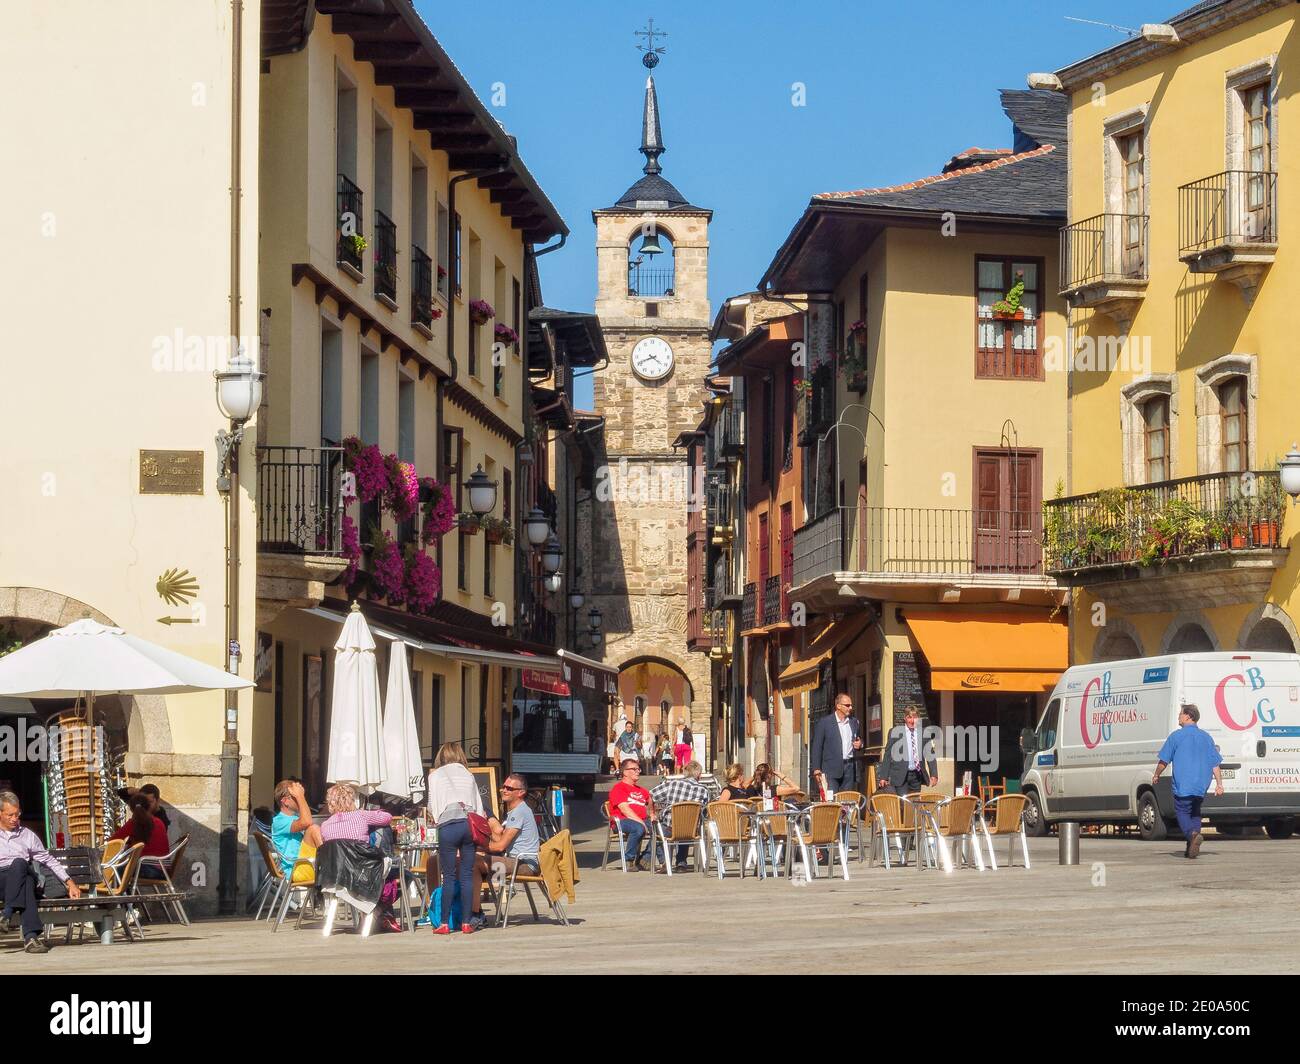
pixel 632 808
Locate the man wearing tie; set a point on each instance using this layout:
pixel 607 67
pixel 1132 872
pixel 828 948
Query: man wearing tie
pixel 909 762
pixel 834 742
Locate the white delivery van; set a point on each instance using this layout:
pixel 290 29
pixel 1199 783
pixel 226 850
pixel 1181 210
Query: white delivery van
pixel 1095 748
pixel 558 754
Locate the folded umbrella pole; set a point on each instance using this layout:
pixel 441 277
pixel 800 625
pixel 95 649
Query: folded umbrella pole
pixel 356 742
pixel 403 768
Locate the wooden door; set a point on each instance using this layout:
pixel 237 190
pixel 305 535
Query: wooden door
pixel 1008 500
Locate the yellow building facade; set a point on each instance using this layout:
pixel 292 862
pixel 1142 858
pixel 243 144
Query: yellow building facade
pixel 1174 529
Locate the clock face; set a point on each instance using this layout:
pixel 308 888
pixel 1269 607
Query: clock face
pixel 652 358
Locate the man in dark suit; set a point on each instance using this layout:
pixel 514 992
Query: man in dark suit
pixel 836 739
pixel 908 762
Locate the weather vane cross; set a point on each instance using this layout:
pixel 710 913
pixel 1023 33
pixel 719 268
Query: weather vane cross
pixel 652 54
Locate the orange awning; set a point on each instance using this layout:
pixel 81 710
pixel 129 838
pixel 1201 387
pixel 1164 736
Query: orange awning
pixel 804 672
pixel 987 651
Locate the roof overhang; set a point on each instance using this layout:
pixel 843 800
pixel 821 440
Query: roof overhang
pixel 406 56
pixel 580 334
pixel 763 348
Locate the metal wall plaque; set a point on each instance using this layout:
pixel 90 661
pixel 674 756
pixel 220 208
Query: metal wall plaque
pixel 171 472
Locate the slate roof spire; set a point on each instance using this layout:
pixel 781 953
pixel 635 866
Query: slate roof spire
pixel 652 138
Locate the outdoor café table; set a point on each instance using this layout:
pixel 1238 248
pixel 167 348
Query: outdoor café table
pixel 405 877
pixel 763 843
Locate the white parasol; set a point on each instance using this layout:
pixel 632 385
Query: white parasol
pixel 403 769
pixel 356 751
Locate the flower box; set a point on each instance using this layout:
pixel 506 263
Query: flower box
pixel 469 525
pixel 857 381
pixel 1019 315
pixel 1264 533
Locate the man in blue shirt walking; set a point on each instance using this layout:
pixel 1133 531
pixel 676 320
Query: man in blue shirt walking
pixel 1195 759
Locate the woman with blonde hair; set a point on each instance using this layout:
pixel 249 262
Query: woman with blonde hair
pixel 735 788
pixel 453 795
pixel 347 822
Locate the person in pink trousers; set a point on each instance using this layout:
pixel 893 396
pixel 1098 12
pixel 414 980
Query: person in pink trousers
pixel 683 748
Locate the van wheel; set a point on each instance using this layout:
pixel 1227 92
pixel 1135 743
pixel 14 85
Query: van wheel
pixel 1035 822
pixel 1282 827
pixel 1151 824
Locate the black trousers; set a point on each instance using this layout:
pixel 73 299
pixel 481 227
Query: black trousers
pixel 913 782
pixel 847 780
pixel 19 878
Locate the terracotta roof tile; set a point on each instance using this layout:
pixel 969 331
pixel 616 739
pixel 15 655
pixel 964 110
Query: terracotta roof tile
pixel 954 175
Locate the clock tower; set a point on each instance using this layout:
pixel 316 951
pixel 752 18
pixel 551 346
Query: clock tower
pixel 652 249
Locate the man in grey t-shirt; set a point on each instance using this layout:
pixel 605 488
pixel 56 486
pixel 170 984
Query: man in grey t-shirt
pixel 516 839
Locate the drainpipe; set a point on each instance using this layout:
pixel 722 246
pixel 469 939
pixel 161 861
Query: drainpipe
pixel 451 218
pixel 228 845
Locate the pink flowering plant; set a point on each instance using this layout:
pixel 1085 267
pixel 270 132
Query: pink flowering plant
pixel 423 580
pixel 437 510
pixel 480 311
pixel 387 569
pixel 367 465
pixel 351 548
pixel 505 335
pixel 402 492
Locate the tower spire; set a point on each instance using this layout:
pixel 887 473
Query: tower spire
pixel 652 140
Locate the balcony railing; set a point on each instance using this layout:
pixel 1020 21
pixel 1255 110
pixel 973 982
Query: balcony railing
pixel 719 509
pixel 1149 524
pixel 917 542
pixel 421 288
pixel 649 283
pixel 1104 249
pixel 817 407
pixel 730 440
pixel 772 600
pixel 818 548
pixel 540 626
pixel 1236 207
pixel 749 608
pixel 385 256
pixel 351 224
pixel 299 500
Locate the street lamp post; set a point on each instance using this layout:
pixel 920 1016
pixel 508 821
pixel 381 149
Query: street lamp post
pixel 239 394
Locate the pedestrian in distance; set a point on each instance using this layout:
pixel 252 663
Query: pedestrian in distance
pixel 836 740
pixel 1196 760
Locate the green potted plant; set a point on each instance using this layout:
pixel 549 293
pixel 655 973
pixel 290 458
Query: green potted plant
pixel 853 364
pixel 1061 538
pixel 1009 308
pixel 497 530
pixel 469 524
pixel 356 243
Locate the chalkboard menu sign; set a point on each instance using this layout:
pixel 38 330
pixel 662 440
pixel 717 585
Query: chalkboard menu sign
pixel 486 778
pixel 908 691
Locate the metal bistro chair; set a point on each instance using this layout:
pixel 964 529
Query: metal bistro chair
pixel 822 821
pixel 562 843
pixel 931 816
pixel 726 828
pixel 959 819
pixel 615 832
pixel 301 877
pixel 119 880
pixel 1009 820
pixel 685 822
pixel 273 885
pixel 170 867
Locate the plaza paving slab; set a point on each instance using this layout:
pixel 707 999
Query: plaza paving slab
pixel 1128 907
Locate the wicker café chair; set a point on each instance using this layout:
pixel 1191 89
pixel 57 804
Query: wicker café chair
pixel 958 820
pixel 684 822
pixel 822 822
pixel 854 822
pixel 890 813
pixel 727 828
pixel 1009 820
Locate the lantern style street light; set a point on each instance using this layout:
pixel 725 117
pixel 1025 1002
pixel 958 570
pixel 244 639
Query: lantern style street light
pixel 552 555
pixel 482 493
pixel 553 582
pixel 594 619
pixel 576 599
pixel 537 527
pixel 1289 468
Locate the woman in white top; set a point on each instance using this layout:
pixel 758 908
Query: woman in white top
pixel 453 795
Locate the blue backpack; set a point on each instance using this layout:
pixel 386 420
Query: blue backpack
pixel 435 907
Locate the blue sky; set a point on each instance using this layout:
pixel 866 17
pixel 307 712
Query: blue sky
pixel 892 91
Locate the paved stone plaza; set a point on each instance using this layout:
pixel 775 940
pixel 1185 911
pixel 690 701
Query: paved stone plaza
pixel 1156 912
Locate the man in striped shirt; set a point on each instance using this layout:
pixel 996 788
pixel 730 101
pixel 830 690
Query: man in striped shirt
pixel 685 788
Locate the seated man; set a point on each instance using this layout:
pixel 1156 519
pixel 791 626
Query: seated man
pixel 516 840
pixel 292 823
pixel 684 788
pixel 20 852
pixel 630 808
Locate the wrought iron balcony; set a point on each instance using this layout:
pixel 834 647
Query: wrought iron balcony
pixel 889 542
pixel 299 500
pixel 385 257
pixel 421 288
pixel 1104 263
pixel 719 510
pixel 817 405
pixel 729 439
pixel 1227 225
pixel 351 225
pixel 772 601
pixel 749 608
pixel 1154 523
pixel 540 626
pixel 725 589
pixel 649 283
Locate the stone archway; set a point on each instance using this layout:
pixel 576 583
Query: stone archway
pixel 1117 641
pixel 1189 633
pixel 148 729
pixel 1268 628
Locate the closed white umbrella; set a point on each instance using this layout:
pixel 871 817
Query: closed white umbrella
pixel 403 769
pixel 356 752
pixel 87 657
